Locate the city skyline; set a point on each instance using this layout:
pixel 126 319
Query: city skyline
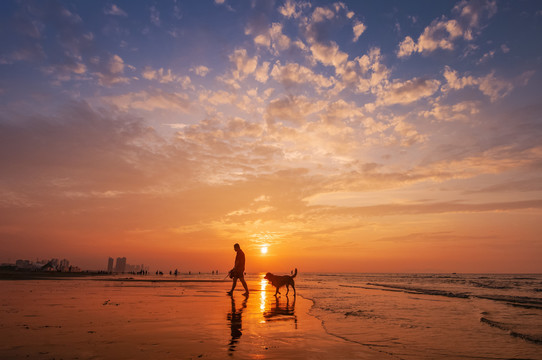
pixel 339 136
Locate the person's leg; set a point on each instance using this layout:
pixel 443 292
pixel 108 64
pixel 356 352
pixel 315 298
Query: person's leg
pixel 234 282
pixel 244 284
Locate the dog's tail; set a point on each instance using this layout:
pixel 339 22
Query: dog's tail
pixel 295 273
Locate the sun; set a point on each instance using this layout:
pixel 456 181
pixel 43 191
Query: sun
pixel 264 249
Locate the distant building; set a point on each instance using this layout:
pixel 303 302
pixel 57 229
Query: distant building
pixel 46 265
pixel 110 265
pixel 65 265
pixel 120 267
pixel 23 264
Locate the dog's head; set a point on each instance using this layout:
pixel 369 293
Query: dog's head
pixel 268 276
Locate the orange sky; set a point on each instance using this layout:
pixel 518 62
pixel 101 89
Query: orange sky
pixel 344 137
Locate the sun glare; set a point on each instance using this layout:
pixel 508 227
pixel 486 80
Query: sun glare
pixel 264 249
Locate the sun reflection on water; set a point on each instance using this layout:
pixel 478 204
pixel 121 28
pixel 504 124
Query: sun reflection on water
pixel 263 284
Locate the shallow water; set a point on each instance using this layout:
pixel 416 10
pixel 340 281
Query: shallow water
pixel 432 316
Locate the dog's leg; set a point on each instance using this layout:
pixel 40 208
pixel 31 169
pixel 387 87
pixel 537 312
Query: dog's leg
pixel 287 289
pixel 293 286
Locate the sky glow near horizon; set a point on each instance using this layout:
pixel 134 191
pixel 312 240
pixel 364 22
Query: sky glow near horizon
pixel 342 136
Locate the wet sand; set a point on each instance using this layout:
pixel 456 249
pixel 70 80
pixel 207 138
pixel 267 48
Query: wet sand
pixel 128 319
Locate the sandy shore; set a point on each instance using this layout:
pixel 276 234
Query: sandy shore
pixel 86 319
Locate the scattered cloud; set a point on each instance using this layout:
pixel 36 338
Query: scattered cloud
pixel 358 29
pixel 489 85
pixel 155 16
pixel 462 111
pixel 201 70
pixel 273 39
pixel 294 109
pixel 408 91
pixel 293 9
pixel 442 33
pixel 293 73
pixel 166 76
pixel 150 100
pixel 112 72
pixel 243 64
pixel 329 55
pixel 114 10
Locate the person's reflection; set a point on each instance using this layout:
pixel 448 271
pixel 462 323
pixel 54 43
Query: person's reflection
pixel 281 312
pixel 235 321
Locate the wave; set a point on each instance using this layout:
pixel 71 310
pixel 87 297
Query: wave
pixel 489 286
pixel 506 327
pixel 522 301
pixel 415 290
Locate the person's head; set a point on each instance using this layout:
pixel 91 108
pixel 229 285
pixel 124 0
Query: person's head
pixel 236 247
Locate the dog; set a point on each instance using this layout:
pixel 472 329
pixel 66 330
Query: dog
pixel 279 281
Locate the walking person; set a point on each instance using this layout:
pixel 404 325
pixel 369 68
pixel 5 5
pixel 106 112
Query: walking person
pixel 238 271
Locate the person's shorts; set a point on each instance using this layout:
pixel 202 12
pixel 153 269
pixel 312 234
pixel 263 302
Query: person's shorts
pixel 236 274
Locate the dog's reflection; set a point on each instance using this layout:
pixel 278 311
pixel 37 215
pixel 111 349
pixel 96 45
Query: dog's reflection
pixel 235 321
pixel 281 310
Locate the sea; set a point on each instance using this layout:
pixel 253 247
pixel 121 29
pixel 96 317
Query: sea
pixel 431 316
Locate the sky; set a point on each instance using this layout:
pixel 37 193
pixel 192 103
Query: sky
pixel 355 136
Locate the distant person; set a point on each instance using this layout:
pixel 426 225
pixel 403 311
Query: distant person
pixel 238 271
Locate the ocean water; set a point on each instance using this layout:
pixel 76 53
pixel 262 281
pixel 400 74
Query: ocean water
pixel 431 316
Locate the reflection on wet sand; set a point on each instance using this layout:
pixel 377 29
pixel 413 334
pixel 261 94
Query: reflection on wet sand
pixel 281 310
pixel 276 308
pixel 260 310
pixel 235 321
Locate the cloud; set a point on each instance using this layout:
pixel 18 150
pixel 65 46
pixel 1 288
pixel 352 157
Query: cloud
pixel 220 97
pixel 439 35
pixel 358 29
pixel 150 100
pixel 66 72
pixel 494 88
pixel 91 151
pixel 365 72
pixel 489 85
pixel 116 65
pixel 33 52
pixel 321 14
pixel 329 55
pixel 243 64
pixel 462 111
pixel 112 72
pixel 294 109
pixel 492 160
pixel 201 70
pixel 273 39
pixel 293 73
pixel 293 9
pixel 166 76
pixel 115 10
pixel 408 91
pixel 262 72
pixel 340 111
pixel 155 16
pixel 442 33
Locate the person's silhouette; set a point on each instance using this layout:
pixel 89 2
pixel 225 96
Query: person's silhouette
pixel 238 271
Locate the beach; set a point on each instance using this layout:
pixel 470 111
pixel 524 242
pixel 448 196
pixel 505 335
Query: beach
pixel 138 318
pixel 332 316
